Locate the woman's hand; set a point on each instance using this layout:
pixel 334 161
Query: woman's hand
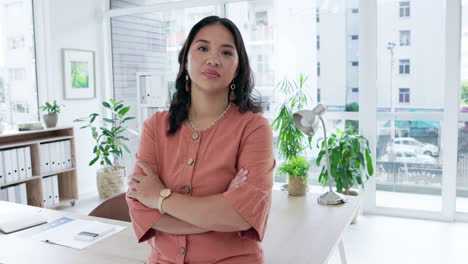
pixel 240 178
pixel 145 188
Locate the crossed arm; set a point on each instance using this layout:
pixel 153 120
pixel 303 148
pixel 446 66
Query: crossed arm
pixel 187 214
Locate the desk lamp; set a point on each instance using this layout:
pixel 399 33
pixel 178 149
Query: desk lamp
pixel 308 121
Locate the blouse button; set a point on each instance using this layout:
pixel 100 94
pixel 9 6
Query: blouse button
pixel 187 189
pixel 182 251
pixel 190 161
pixel 195 136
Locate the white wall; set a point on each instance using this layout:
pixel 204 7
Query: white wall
pixel 75 25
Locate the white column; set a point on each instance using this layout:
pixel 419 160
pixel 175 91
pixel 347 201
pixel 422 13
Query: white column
pixel 368 86
pixel 451 107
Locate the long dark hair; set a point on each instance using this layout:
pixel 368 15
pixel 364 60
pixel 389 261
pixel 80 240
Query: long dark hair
pixel 244 81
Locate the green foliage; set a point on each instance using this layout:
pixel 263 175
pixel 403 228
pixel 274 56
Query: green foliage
pixel 51 108
pixel 353 107
pixel 464 92
pixel 350 160
pixel 109 138
pixel 291 141
pixel 297 166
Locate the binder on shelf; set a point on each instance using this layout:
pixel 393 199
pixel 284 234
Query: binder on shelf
pixel 54 152
pixel 50 190
pixel 23 194
pixel 11 194
pixel 3 194
pixel 68 154
pixel 7 166
pixel 45 200
pixel 21 163
pixel 14 164
pixel 63 155
pixel 2 171
pixel 27 161
pixel 44 158
pixel 55 190
pixel 20 193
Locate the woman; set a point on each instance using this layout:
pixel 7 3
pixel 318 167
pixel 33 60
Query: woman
pixel 201 189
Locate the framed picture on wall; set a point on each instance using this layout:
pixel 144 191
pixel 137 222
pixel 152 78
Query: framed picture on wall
pixel 79 74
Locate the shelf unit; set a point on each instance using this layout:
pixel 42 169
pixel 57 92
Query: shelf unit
pixel 67 178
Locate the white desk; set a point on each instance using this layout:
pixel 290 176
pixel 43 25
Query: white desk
pixel 119 248
pixel 300 231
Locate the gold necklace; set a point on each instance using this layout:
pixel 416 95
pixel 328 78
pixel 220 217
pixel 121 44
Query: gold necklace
pixel 219 117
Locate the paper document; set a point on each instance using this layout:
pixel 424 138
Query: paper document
pixel 74 233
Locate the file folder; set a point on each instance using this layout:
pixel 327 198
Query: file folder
pixel 45 158
pixel 56 195
pixel 49 189
pixel 14 164
pixel 68 154
pixel 21 163
pixel 11 194
pixel 7 166
pixel 3 194
pixel 2 171
pixel 45 200
pixel 27 159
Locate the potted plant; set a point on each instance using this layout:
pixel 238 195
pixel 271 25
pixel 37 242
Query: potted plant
pixel 298 170
pixel 350 161
pixel 109 147
pixel 291 141
pixel 51 118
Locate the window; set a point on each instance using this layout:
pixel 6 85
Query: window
pixel 317 15
pixel 355 90
pixel 18 88
pixel 355 10
pixel 318 68
pixel 355 63
pixel 16 43
pixel 261 18
pixel 405 38
pixel 318 42
pixel 404 66
pixel 354 37
pixel 318 95
pixel 404 9
pixel 404 96
pixel 16 74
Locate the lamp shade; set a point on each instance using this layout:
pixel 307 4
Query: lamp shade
pixel 307 120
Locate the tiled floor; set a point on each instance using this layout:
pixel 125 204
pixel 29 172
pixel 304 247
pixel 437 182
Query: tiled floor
pixel 383 240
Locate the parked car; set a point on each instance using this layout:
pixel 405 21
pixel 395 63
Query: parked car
pixel 411 144
pixel 408 156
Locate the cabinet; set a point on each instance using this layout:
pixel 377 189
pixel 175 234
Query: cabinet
pixel 58 160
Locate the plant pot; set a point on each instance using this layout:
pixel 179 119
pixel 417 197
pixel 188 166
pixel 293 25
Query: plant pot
pixel 110 183
pixel 351 192
pixel 296 186
pixel 50 120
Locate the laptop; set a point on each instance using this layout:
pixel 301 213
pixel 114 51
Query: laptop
pixel 13 222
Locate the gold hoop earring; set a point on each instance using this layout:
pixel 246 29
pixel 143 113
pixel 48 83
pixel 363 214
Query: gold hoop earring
pixel 232 95
pixel 187 88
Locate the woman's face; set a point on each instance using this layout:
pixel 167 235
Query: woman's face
pixel 212 59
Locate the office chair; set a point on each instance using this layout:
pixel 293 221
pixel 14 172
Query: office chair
pixel 114 207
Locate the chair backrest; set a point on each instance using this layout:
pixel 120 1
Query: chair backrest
pixel 114 207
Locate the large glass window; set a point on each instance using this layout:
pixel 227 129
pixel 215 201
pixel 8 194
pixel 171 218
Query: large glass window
pixel 18 87
pixel 408 151
pixel 462 167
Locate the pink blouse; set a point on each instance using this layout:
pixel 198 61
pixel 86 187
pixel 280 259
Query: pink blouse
pixel 202 163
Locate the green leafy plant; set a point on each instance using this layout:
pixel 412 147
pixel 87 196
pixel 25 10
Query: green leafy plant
pixel 53 108
pixel 297 166
pixel 109 138
pixel 350 160
pixel 290 139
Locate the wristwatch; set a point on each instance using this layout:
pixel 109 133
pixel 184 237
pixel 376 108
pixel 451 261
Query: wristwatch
pixel 163 194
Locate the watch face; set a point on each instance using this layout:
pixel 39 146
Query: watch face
pixel 165 193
